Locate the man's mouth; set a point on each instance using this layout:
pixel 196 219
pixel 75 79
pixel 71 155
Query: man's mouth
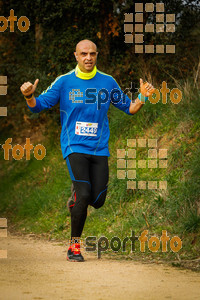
pixel 88 64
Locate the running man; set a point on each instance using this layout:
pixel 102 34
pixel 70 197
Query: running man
pixel 85 95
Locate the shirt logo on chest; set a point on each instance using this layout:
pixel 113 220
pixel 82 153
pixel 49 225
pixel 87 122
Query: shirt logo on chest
pixel 74 94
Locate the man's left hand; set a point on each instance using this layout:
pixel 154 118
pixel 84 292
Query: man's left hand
pixel 146 89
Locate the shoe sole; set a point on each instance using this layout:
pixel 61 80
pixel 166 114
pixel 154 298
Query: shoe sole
pixel 74 260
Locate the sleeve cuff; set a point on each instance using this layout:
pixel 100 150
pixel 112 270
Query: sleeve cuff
pixel 142 98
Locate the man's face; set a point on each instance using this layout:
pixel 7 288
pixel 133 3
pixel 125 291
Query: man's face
pixel 86 56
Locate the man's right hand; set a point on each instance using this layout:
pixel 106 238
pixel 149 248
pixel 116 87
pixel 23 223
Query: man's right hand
pixel 28 88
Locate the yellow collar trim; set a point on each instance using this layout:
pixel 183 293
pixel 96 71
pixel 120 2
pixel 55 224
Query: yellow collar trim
pixel 84 75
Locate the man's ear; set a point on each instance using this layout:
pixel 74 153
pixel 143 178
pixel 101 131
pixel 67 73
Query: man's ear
pixel 76 56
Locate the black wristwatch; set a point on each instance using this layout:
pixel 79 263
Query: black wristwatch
pixel 29 96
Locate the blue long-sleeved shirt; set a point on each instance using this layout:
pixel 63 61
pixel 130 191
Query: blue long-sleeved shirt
pixel 83 110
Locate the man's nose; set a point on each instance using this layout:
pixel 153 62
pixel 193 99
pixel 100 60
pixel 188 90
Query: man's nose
pixel 89 56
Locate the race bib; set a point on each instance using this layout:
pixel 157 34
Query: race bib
pixel 85 128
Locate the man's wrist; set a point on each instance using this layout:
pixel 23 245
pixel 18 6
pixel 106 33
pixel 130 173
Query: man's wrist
pixel 142 98
pixel 29 97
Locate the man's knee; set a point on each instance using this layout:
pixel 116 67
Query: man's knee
pixel 83 194
pixel 100 200
pixel 81 204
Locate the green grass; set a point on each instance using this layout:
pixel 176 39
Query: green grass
pixel 34 193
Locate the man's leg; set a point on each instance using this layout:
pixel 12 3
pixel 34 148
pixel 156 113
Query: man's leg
pixel 99 174
pixel 79 166
pixel 89 174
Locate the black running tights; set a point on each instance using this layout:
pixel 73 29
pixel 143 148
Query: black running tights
pixel 89 174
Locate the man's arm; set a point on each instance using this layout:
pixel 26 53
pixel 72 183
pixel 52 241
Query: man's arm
pixel 146 89
pixel 135 106
pixel 44 101
pixel 31 102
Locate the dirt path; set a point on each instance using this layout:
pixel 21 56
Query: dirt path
pixel 37 269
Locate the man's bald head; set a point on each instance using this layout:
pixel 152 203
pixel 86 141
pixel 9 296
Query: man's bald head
pixel 86 55
pixel 85 43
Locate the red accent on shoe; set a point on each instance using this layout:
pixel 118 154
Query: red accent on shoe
pixel 76 248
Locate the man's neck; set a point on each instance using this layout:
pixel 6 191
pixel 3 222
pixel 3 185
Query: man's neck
pixel 85 75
